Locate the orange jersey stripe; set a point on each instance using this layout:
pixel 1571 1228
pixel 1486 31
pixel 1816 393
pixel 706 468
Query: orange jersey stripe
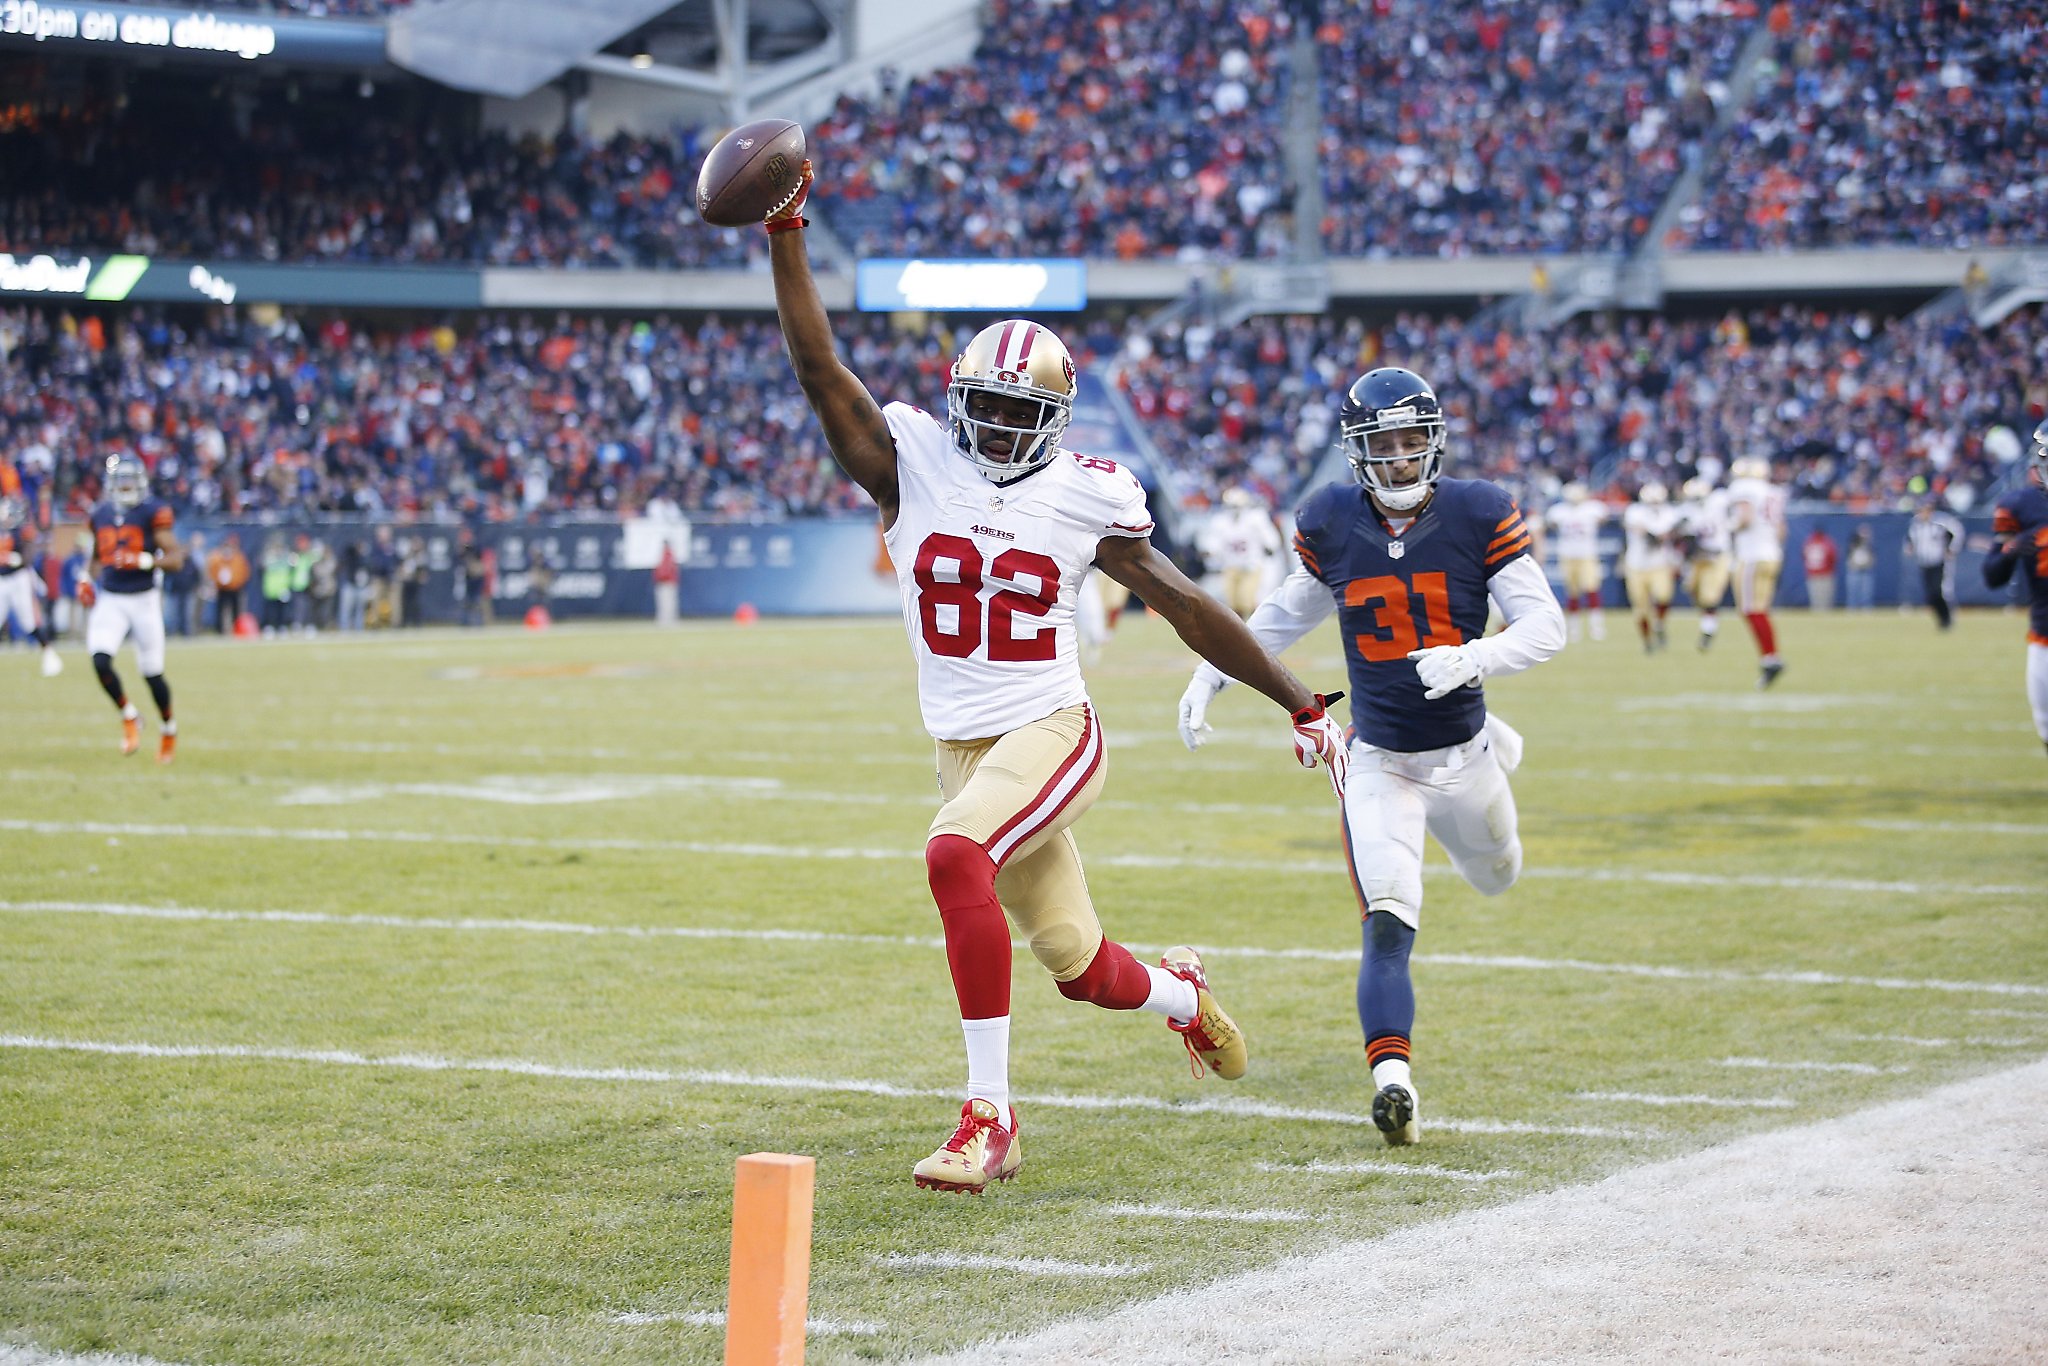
pixel 1507 536
pixel 1307 556
pixel 1510 550
pixel 1509 520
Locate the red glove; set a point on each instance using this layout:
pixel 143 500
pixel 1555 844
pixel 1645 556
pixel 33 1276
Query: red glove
pixel 789 215
pixel 1317 740
pixel 86 593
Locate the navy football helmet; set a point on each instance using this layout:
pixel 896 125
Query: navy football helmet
pixel 127 481
pixel 1388 400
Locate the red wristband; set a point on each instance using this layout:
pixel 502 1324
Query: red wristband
pixel 775 225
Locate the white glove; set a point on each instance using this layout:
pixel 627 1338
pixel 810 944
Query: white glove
pixel 1446 668
pixel 1194 707
pixel 1319 740
pixel 145 561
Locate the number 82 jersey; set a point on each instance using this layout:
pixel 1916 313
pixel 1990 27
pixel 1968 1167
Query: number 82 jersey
pixel 991 573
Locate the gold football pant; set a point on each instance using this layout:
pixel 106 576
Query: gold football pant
pixel 1707 581
pixel 1016 795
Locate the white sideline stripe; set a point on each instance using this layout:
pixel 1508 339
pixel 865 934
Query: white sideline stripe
pixel 321 835
pixel 1861 1069
pixel 1028 1266
pixel 1229 1216
pixel 1718 1102
pixel 715 1318
pixel 1974 1041
pixel 22 1354
pixel 1345 956
pixel 1370 1168
pixel 424 1062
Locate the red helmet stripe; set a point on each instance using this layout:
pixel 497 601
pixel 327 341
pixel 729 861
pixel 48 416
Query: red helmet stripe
pixel 1003 346
pixel 1030 335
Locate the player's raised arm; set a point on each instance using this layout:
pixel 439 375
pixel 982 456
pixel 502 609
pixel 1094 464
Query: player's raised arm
pixel 853 422
pixel 1214 632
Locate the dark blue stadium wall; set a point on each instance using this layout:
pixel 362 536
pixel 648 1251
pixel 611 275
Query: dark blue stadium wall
pixel 837 567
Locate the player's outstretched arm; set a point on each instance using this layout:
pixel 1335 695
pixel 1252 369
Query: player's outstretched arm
pixel 854 427
pixel 1207 627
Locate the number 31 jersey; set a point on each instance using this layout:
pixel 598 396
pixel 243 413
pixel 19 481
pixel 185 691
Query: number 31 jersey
pixel 1394 594
pixel 990 575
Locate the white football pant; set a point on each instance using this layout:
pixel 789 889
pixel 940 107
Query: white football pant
pixel 1459 794
pixel 117 617
pixel 18 600
pixel 2037 687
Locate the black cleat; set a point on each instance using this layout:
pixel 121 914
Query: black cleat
pixel 1393 1113
pixel 1770 673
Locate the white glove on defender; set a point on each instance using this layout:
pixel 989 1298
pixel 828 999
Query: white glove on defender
pixel 1194 708
pixel 1445 668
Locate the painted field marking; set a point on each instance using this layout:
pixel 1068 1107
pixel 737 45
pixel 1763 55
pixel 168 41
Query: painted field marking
pixel 1718 1102
pixel 422 1062
pixel 1026 1266
pixel 715 1318
pixel 2009 1014
pixel 1908 1041
pixel 1861 1069
pixel 1230 1216
pixel 1371 1168
pixel 1347 957
pixel 23 1354
pixel 786 853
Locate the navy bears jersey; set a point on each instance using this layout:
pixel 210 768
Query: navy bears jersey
pixel 1395 594
pixel 2021 519
pixel 121 534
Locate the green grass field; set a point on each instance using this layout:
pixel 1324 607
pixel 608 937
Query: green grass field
pixel 494 951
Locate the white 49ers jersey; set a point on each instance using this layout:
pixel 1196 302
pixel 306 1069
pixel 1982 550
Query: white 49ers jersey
pixel 1707 522
pixel 1646 529
pixel 991 575
pixel 1763 505
pixel 1575 529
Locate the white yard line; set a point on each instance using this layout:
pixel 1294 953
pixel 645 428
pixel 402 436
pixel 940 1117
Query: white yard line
pixel 1898 1236
pixel 715 1318
pixel 1372 1168
pixel 1716 1102
pixel 422 1062
pixel 1974 1041
pixel 1023 1266
pixel 22 1354
pixel 787 852
pixel 1861 1069
pixel 1182 1214
pixel 1518 963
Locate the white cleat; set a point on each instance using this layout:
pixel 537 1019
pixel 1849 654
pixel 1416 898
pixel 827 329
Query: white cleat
pixel 52 665
pixel 1393 1114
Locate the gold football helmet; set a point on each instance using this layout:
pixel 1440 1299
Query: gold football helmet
pixel 1011 396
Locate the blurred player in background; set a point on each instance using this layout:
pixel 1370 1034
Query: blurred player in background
pixel 1756 523
pixel 132 542
pixel 1703 539
pixel 1932 538
pixel 1575 527
pixel 1649 564
pixel 2020 526
pixel 1409 562
pixel 20 583
pixel 1241 543
pixel 993 528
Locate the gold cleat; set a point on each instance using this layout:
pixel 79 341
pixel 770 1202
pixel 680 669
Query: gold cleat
pixel 981 1150
pixel 1212 1037
pixel 131 736
pixel 166 748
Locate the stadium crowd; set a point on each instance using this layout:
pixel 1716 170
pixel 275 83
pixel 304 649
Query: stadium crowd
pixel 1849 407
pixel 1886 121
pixel 1137 129
pixel 518 415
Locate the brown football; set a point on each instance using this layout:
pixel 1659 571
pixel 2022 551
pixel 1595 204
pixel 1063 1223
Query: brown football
pixel 753 169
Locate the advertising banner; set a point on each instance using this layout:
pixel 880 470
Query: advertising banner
pixel 1041 286
pixel 155 33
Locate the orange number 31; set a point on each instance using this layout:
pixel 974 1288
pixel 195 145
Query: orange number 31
pixel 1391 600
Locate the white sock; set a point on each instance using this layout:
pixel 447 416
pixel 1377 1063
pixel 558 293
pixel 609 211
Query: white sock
pixel 170 727
pixel 988 1063
pixel 1171 997
pixel 1392 1072
pixel 1709 625
pixel 128 712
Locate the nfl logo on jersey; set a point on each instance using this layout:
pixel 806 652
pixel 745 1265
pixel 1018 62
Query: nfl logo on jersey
pixel 1395 550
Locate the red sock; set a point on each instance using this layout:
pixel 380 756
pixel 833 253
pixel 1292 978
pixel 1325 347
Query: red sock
pixel 1760 627
pixel 1662 609
pixel 1114 981
pixel 1643 627
pixel 1571 602
pixel 963 881
pixel 1593 601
